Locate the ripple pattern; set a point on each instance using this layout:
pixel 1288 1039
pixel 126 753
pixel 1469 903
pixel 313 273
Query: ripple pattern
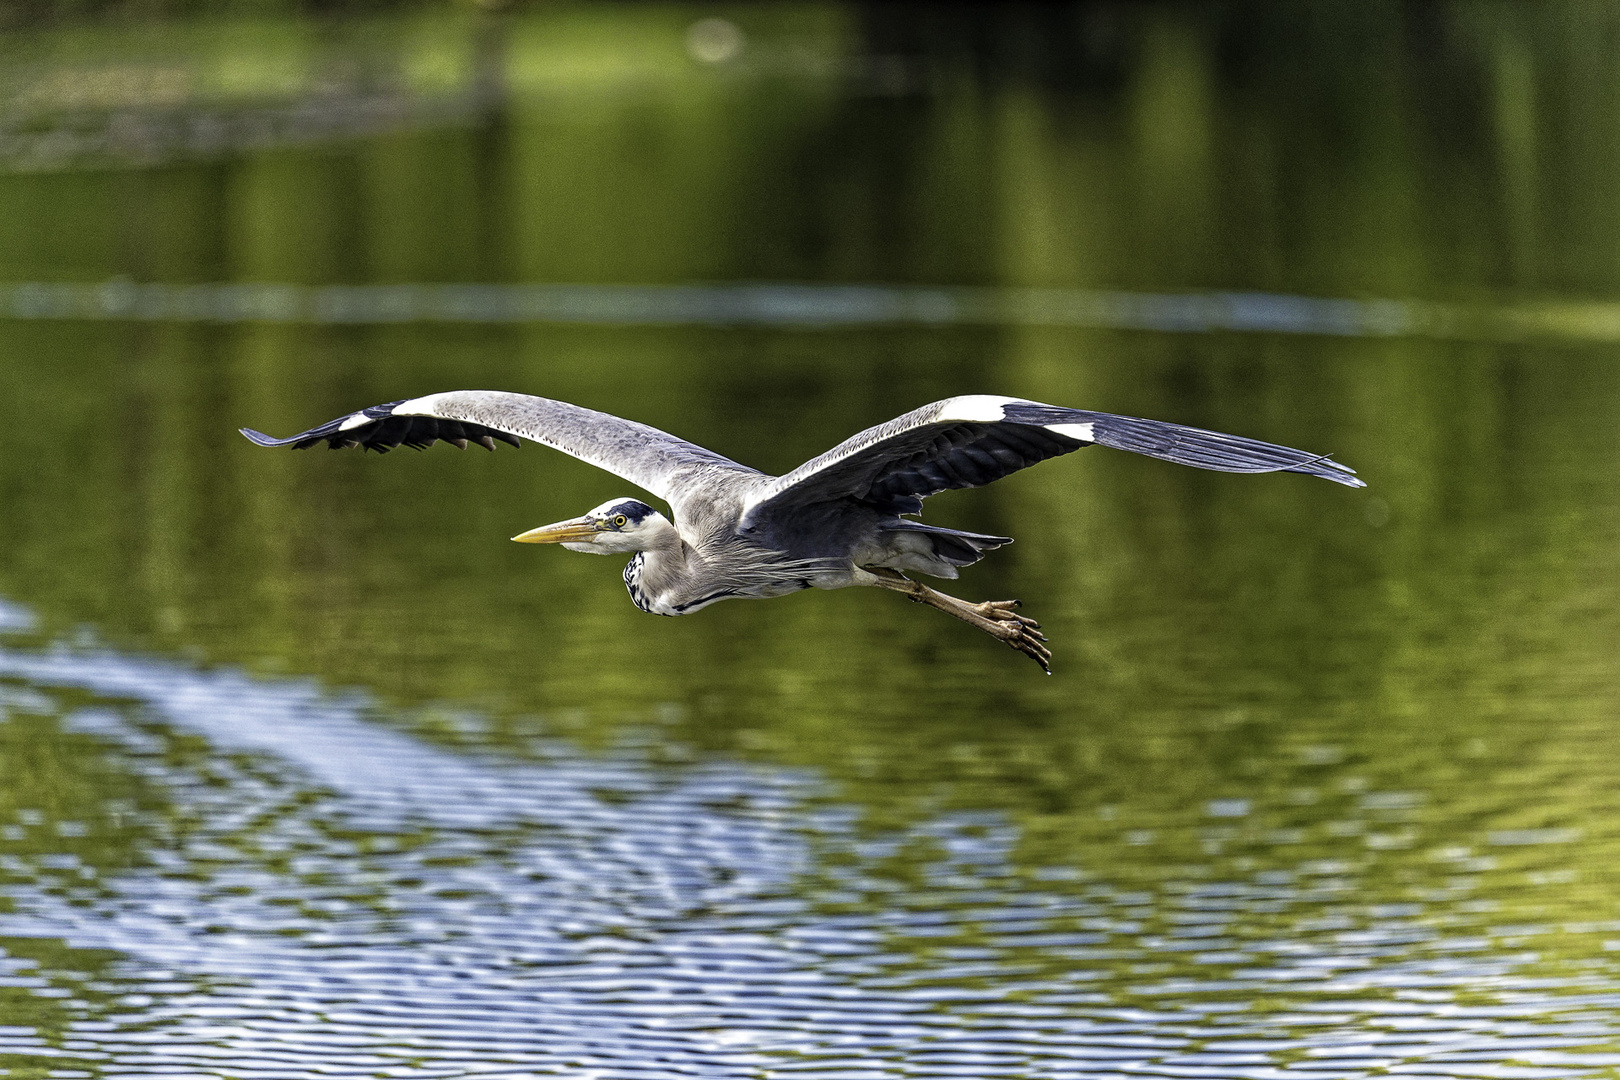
pixel 326 895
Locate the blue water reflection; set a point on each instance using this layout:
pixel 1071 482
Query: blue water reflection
pixel 318 891
pixel 806 305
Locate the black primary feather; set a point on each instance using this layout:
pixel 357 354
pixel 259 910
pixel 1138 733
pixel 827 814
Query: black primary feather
pixel 386 431
pixel 1187 445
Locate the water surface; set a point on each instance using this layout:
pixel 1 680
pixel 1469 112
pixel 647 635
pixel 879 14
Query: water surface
pixel 305 769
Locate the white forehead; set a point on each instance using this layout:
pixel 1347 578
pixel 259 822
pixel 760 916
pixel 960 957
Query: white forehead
pixel 605 508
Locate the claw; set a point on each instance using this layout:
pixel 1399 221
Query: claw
pixel 1019 631
pixel 1001 611
pixel 1027 640
pixel 1035 651
pixel 995 617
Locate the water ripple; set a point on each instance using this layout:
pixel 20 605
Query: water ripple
pixel 327 895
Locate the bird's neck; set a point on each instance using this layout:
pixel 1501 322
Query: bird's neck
pixel 664 543
pixel 657 569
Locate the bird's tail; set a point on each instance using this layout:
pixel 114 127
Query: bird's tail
pixel 954 546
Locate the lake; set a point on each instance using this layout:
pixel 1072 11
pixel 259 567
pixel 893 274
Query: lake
pixel 305 770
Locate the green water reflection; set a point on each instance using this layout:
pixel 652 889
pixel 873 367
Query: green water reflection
pixel 1330 149
pixel 1413 689
pixel 1454 640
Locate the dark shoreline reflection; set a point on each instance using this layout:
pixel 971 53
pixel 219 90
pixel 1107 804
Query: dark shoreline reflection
pixel 1440 153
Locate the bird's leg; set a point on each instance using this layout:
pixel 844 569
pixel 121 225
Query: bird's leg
pixel 995 617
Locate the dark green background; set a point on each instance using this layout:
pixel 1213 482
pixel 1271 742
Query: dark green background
pixel 1451 632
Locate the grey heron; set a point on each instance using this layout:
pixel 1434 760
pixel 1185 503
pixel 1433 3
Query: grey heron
pixel 844 518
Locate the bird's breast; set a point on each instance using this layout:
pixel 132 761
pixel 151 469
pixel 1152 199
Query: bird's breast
pixel 658 591
pixel 664 585
pixel 634 575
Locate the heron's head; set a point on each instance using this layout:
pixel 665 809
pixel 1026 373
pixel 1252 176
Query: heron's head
pixel 618 526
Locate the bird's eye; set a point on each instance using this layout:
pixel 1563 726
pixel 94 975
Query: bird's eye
pixel 620 521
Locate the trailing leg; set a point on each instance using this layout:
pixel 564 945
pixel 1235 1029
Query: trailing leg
pixel 995 617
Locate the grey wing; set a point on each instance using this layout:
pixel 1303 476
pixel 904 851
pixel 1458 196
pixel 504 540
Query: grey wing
pixel 671 468
pixel 970 441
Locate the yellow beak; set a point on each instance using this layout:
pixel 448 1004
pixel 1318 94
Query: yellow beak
pixel 576 529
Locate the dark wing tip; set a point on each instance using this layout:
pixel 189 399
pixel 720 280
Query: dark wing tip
pixel 1212 449
pixel 1325 467
pixel 259 438
pixel 380 429
pixel 1348 480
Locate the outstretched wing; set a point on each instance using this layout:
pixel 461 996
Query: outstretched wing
pixel 673 469
pixel 970 441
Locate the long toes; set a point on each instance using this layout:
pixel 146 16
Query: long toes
pixel 1022 627
pixel 1012 633
pixel 1031 645
pixel 1002 611
pixel 1036 652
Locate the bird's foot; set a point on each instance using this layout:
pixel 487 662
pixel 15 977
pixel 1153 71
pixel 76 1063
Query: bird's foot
pixel 1005 611
pixel 998 618
pixel 1018 631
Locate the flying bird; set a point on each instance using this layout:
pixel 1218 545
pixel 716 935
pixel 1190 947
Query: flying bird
pixel 844 518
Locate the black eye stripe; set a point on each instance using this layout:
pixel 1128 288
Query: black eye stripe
pixel 632 511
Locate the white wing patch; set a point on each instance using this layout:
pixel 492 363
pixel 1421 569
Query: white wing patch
pixel 974 408
pixel 1082 432
pixel 420 406
pixel 359 419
